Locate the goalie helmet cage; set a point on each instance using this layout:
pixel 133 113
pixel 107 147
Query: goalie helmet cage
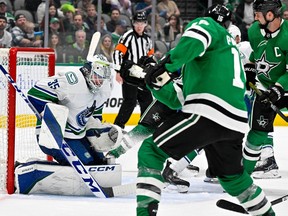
pixel 17 121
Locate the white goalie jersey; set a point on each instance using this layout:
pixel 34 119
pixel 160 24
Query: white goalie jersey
pixel 68 89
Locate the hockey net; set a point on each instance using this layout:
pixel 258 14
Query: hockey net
pixel 17 121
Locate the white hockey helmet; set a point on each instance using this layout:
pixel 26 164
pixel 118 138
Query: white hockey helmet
pixel 99 73
pixel 234 31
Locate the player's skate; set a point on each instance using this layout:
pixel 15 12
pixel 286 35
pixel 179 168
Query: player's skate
pixel 210 179
pixel 266 169
pixel 193 169
pixel 170 176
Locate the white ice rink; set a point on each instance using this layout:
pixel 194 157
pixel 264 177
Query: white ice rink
pixel 199 201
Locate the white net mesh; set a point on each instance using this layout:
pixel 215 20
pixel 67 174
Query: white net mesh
pixel 31 66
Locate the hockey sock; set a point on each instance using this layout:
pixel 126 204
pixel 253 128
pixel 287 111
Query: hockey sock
pixel 149 179
pixel 249 195
pixel 235 184
pixel 252 149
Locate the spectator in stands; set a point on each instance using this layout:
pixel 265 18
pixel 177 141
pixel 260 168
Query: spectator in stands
pixel 78 24
pixel 77 52
pixel 167 7
pixel 244 17
pixel 55 43
pixel 5 36
pixel 106 47
pixel 120 29
pixel 19 36
pixel 159 33
pixel 103 31
pixel 144 5
pixel 91 17
pixel 53 12
pixel 114 18
pixel 54 25
pixel 3 12
pixel 124 6
pixel 285 14
pixel 82 7
pixel 29 30
pixel 172 28
pixel 68 12
pixel 37 8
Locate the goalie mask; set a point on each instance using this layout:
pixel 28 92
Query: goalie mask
pixel 96 72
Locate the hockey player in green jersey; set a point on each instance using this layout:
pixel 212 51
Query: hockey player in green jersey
pixel 213 116
pixel 268 39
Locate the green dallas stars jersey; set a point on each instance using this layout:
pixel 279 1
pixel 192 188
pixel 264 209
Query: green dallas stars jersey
pixel 270 55
pixel 213 75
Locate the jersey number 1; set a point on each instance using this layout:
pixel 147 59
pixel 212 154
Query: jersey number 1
pixel 237 82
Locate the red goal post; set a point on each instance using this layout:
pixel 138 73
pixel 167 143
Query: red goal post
pixel 17 121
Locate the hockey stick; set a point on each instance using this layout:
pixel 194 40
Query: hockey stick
pixel 230 206
pixel 275 108
pixel 93 45
pixel 92 48
pixel 78 166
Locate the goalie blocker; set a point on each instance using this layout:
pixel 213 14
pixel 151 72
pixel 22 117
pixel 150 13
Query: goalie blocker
pixel 44 177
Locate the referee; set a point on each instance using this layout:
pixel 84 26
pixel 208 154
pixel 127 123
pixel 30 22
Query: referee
pixel 134 44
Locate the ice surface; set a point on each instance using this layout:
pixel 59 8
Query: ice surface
pixel 199 201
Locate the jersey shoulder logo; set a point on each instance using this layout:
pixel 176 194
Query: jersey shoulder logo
pixel 262 43
pixel 71 78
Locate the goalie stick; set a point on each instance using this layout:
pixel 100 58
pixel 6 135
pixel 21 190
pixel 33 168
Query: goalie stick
pixel 93 45
pixel 230 206
pixel 275 108
pixel 89 181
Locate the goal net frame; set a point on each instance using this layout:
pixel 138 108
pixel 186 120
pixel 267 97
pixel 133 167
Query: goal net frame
pixel 13 63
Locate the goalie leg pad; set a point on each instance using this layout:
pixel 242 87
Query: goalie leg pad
pixel 43 177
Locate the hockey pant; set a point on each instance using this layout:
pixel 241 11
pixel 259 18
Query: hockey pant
pixel 223 148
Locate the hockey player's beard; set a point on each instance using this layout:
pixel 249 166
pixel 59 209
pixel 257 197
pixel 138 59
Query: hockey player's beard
pixel 263 26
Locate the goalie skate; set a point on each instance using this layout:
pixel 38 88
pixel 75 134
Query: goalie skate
pixel 266 169
pixel 170 176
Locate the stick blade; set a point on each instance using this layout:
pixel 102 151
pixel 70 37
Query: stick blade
pixel 230 206
pixel 120 190
pixel 93 45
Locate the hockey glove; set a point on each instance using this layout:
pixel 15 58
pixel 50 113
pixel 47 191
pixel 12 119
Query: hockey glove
pixel 250 72
pixel 129 72
pixel 146 60
pixel 157 76
pixel 271 95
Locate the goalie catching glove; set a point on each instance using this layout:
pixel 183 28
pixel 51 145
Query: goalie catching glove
pixel 103 137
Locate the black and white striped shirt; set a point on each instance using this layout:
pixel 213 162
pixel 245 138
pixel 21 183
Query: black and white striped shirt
pixel 132 46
